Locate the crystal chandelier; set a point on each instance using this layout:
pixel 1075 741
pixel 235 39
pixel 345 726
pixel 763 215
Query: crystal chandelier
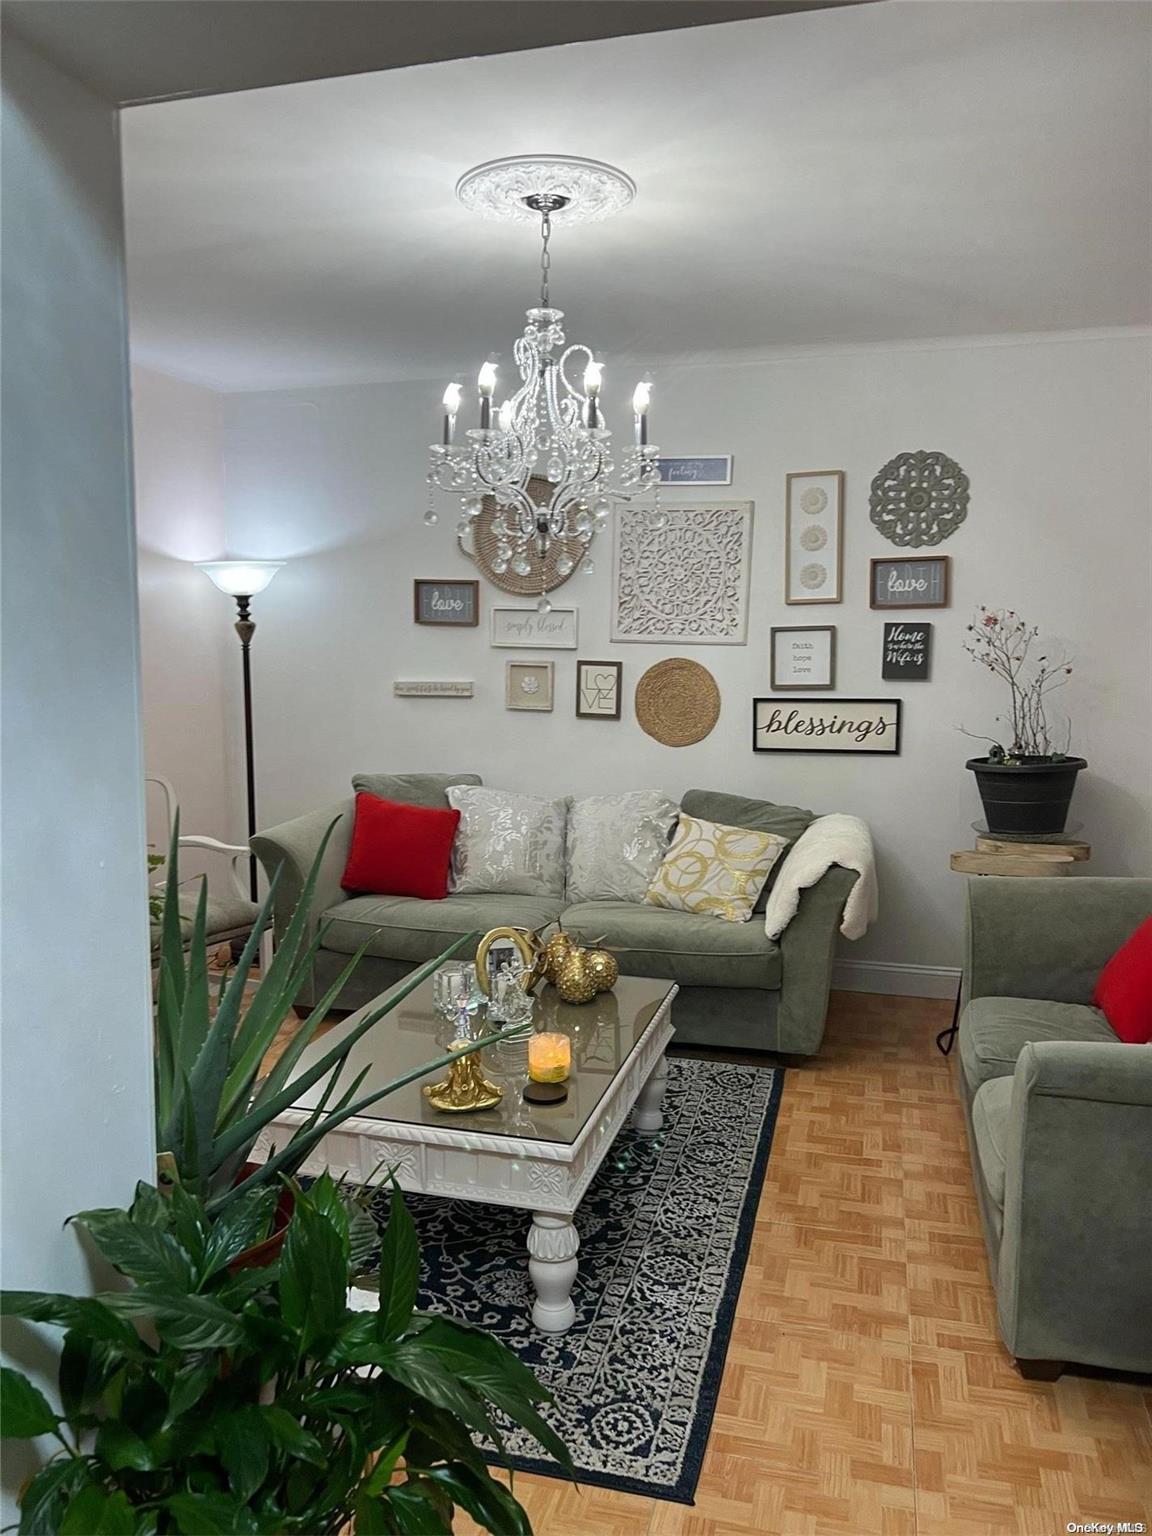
pixel 542 460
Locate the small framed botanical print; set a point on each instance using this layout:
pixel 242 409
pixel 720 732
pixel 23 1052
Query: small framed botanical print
pixel 528 685
pixel 598 686
pixel 804 657
pixel 921 581
pixel 814 537
pixel 446 602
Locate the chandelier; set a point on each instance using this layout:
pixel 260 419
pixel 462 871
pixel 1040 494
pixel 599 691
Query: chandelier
pixel 542 460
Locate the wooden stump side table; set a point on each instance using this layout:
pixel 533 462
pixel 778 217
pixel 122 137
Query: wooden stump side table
pixel 1020 858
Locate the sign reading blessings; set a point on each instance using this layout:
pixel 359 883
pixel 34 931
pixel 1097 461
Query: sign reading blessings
pixel 826 725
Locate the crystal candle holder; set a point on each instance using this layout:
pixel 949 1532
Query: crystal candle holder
pixel 549 1058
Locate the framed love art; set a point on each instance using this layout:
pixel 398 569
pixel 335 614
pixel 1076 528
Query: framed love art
pixel 911 583
pixel 598 685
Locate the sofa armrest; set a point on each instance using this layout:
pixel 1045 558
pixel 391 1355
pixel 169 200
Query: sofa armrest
pixel 1075 1261
pixel 1047 938
pixel 807 948
pixel 291 848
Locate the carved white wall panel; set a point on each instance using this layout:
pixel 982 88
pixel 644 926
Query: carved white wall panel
pixel 686 580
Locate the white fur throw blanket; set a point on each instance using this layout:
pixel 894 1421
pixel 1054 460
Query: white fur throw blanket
pixel 828 840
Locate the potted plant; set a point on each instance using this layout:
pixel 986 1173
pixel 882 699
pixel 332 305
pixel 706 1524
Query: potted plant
pixel 1025 785
pixel 259 1401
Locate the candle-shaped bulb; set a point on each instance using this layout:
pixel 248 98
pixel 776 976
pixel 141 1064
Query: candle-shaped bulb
pixel 593 378
pixel 504 416
pixel 641 397
pixel 452 398
pixel 486 381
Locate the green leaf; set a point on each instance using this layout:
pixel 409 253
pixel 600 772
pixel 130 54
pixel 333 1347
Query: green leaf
pixel 241 1225
pixel 374 1517
pixel 416 1510
pixel 48 1494
pixel 189 1386
pixel 288 1434
pixel 186 1322
pixel 399 1270
pixel 93 1512
pixel 324 1199
pixel 86 1314
pixel 143 1253
pixel 121 1448
pixel 211 1514
pixel 479 1494
pixel 24 1410
pixel 86 1366
pixel 313 1277
pixel 381 1474
pixel 423 1373
pixel 243 1444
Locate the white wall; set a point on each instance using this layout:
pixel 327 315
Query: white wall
pixel 1053 434
pixel 186 638
pixel 77 1076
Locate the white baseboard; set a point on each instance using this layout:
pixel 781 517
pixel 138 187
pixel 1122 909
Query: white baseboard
pixel 895 979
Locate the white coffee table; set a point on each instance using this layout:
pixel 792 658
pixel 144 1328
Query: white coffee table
pixel 540 1158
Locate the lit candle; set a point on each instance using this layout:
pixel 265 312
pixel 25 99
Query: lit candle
pixel 641 398
pixel 451 406
pixel 593 378
pixel 486 383
pixel 549 1058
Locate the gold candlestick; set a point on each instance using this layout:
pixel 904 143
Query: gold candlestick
pixel 465 1087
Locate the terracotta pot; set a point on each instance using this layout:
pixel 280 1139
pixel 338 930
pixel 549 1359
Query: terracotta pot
pixel 267 1252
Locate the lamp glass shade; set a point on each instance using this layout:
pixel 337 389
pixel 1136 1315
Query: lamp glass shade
pixel 240 578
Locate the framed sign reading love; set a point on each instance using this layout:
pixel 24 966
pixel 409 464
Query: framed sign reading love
pixel 911 583
pixel 826 725
pixel 447 602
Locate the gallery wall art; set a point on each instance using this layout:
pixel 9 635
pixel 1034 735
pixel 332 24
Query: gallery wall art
pixel 814 536
pixel 919 498
pixel 446 602
pixel 907 651
pixel 528 685
pixel 683 578
pixel 911 583
pixel 598 686
pixel 677 702
pixel 529 629
pixel 804 657
pixel 864 726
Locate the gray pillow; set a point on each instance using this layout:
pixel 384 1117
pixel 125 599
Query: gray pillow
pixel 426 789
pixel 506 843
pixel 760 815
pixel 616 844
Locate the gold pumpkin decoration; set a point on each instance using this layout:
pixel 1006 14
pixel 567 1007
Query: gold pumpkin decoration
pixel 574 980
pixel 603 969
pixel 555 952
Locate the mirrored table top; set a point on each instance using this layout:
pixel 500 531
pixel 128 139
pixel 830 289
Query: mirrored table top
pixel 604 1033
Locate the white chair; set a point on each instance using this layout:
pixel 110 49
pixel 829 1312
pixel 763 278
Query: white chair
pixel 231 912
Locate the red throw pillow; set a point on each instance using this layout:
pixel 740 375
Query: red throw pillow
pixel 400 850
pixel 1124 988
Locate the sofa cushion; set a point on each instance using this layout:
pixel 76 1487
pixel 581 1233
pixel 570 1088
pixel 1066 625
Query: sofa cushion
pixel 425 789
pixel 990 1111
pixel 229 915
pixel 680 946
pixel 1124 990
pixel 399 850
pixel 994 1030
pixel 714 870
pixel 410 929
pixel 615 843
pixel 787 821
pixel 507 843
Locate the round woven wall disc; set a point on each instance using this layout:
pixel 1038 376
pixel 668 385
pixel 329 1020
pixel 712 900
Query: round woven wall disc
pixel 677 702
pixel 481 548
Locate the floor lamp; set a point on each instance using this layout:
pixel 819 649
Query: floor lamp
pixel 243 580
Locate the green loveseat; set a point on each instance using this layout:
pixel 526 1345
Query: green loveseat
pixel 1060 1122
pixel 737 987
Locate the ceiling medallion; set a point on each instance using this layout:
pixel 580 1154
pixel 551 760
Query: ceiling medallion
pixel 919 498
pixel 510 189
pixel 539 465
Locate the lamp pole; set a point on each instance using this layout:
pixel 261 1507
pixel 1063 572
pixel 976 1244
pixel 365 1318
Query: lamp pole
pixel 242 579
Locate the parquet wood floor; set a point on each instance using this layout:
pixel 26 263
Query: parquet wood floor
pixel 866 1390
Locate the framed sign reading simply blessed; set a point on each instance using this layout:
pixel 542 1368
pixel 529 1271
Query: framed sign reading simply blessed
pixel 826 725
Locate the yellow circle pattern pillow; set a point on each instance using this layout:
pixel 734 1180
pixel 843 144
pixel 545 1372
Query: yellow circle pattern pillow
pixel 714 870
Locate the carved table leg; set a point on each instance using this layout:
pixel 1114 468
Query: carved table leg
pixel 649 1116
pixel 552 1247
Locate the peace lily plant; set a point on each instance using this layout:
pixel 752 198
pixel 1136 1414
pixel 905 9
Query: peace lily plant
pixel 211 1396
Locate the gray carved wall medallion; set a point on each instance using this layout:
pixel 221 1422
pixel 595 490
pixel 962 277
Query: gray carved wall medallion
pixel 919 498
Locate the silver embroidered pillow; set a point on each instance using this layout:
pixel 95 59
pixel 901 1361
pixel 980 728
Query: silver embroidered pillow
pixel 507 843
pixel 616 844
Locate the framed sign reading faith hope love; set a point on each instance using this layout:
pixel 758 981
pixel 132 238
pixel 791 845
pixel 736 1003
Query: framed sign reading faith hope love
pixel 867 726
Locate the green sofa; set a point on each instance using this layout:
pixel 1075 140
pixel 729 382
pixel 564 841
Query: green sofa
pixel 737 987
pixel 1059 1118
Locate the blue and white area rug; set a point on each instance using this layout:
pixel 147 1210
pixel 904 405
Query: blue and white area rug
pixel 665 1230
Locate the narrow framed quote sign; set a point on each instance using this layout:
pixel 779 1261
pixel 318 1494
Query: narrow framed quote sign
pixel 922 582
pixel 907 651
pixel 863 726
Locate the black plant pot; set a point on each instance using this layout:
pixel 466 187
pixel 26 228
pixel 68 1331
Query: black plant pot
pixel 1030 795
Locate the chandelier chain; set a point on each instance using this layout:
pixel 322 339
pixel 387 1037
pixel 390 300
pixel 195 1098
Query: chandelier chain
pixel 545 255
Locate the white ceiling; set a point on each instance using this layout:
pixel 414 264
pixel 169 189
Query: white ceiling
pixel 877 173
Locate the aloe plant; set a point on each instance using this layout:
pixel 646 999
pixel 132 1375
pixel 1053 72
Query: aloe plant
pixel 258 1401
pixel 211 1101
